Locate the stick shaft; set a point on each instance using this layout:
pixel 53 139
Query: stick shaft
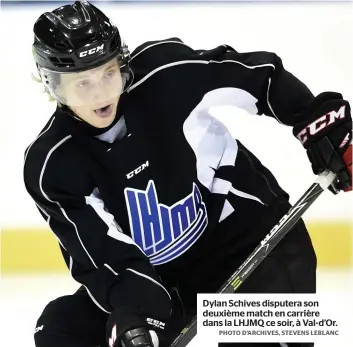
pixel 285 224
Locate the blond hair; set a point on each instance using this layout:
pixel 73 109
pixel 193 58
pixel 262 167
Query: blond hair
pixel 36 78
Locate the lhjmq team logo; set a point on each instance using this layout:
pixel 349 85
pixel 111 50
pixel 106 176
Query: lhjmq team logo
pixel 165 232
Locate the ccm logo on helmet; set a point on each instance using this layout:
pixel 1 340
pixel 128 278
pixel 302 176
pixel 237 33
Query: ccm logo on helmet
pixel 91 51
pixel 321 123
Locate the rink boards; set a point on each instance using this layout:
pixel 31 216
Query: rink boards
pixel 37 251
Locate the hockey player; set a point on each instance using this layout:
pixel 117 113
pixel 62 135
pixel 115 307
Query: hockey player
pixel 150 197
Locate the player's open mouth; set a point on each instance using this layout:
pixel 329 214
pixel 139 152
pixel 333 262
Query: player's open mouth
pixel 105 111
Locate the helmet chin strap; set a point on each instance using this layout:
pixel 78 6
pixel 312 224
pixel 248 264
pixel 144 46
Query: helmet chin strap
pixel 127 81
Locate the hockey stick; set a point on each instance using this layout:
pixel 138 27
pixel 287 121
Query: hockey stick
pixel 263 249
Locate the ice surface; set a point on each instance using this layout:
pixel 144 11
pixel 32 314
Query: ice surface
pixel 22 299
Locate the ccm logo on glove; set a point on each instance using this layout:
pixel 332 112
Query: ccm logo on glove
pixel 324 128
pixel 321 123
pixel 156 323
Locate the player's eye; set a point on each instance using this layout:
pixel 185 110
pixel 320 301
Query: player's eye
pixel 83 84
pixel 110 74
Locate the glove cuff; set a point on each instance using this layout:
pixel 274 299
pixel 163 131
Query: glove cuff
pixel 119 322
pixel 315 104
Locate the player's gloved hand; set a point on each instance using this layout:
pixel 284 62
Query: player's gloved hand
pixel 325 130
pixel 141 303
pixel 138 337
pixel 134 330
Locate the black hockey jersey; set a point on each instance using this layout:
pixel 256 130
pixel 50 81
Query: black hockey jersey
pixel 160 194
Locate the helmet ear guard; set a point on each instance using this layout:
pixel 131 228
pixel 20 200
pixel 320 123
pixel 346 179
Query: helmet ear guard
pixel 51 83
pixel 126 72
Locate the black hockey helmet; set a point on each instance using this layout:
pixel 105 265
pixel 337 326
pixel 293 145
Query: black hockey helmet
pixel 73 39
pixel 76 37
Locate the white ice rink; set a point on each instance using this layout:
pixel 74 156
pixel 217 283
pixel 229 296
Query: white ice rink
pixel 23 298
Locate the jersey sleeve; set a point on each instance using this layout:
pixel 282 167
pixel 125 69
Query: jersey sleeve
pixel 279 93
pixel 114 270
pixel 261 74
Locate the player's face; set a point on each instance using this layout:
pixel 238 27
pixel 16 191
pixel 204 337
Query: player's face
pixel 94 94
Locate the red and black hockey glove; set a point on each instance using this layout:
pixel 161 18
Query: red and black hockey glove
pixel 325 130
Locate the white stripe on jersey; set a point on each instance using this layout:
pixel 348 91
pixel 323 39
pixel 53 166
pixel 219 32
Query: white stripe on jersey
pixel 56 202
pixel 95 301
pixel 245 195
pixel 114 230
pixel 48 221
pixel 181 62
pixel 268 101
pixel 228 209
pixel 165 67
pixel 156 44
pixel 111 269
pixel 44 131
pixel 149 278
pixel 208 62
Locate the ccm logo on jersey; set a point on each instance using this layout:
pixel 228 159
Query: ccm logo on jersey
pixel 138 170
pixel 321 123
pixel 91 51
